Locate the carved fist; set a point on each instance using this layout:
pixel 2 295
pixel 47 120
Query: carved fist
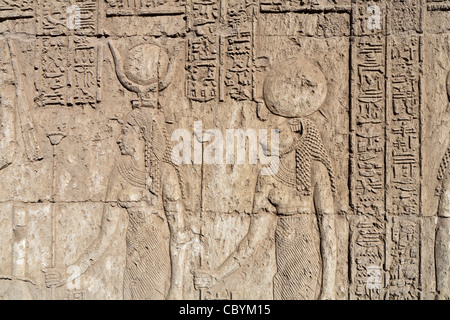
pixel 183 237
pixel 204 279
pixel 54 277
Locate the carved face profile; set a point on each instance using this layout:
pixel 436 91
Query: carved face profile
pixel 141 131
pixel 130 140
pixel 287 136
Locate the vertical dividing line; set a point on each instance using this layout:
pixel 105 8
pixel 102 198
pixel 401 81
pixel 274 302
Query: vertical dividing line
pixel 98 33
pixel 202 214
pixel 99 17
pixel 221 71
pixel 187 15
pixel 387 172
pixel 420 219
pixel 70 39
pixel 37 67
pixel 350 262
pixel 221 88
pixel 38 61
pixel 69 87
pixel 99 70
pixel 158 75
pixel 423 8
pixel 36 19
pixel 352 94
pixel 53 218
pixel 39 15
pixel 186 68
pixel 387 104
pixel 186 50
pixel 253 53
pixel 351 164
pixel 222 10
pixel 12 244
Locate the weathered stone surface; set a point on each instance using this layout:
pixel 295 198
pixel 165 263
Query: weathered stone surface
pixel 224 149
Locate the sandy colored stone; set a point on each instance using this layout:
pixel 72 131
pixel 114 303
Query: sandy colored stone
pixel 138 158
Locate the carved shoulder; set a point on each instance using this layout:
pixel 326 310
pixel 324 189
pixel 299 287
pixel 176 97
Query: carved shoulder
pixel 323 195
pixel 170 183
pixel 319 175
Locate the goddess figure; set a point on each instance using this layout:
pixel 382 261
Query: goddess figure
pixel 145 184
pixel 442 242
pixel 298 192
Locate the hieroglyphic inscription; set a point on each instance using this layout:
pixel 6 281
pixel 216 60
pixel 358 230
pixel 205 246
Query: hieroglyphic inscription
pixel 438 5
pixel 85 71
pixel 368 254
pixel 203 51
pixel 367 155
pixel 16 9
pixel 406 15
pixel 404 258
pixel 301 6
pixel 60 85
pixel 144 7
pixel 68 61
pixel 330 19
pixel 53 17
pixel 404 129
pixel 386 84
pixel 238 51
pixel 52 87
pixel 404 169
pixel 60 17
pixel 90 18
pixel 220 53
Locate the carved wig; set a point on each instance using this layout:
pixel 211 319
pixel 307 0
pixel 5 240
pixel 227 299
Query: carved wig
pixel 157 148
pixel 444 165
pixel 307 148
pixel 442 171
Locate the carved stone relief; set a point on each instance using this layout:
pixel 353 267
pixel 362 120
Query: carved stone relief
pixel 224 149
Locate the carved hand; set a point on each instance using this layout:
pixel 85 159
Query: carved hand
pixel 182 237
pixel 55 277
pixel 204 279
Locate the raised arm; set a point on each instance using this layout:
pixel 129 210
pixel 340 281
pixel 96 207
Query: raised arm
pixel 442 243
pixel 324 205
